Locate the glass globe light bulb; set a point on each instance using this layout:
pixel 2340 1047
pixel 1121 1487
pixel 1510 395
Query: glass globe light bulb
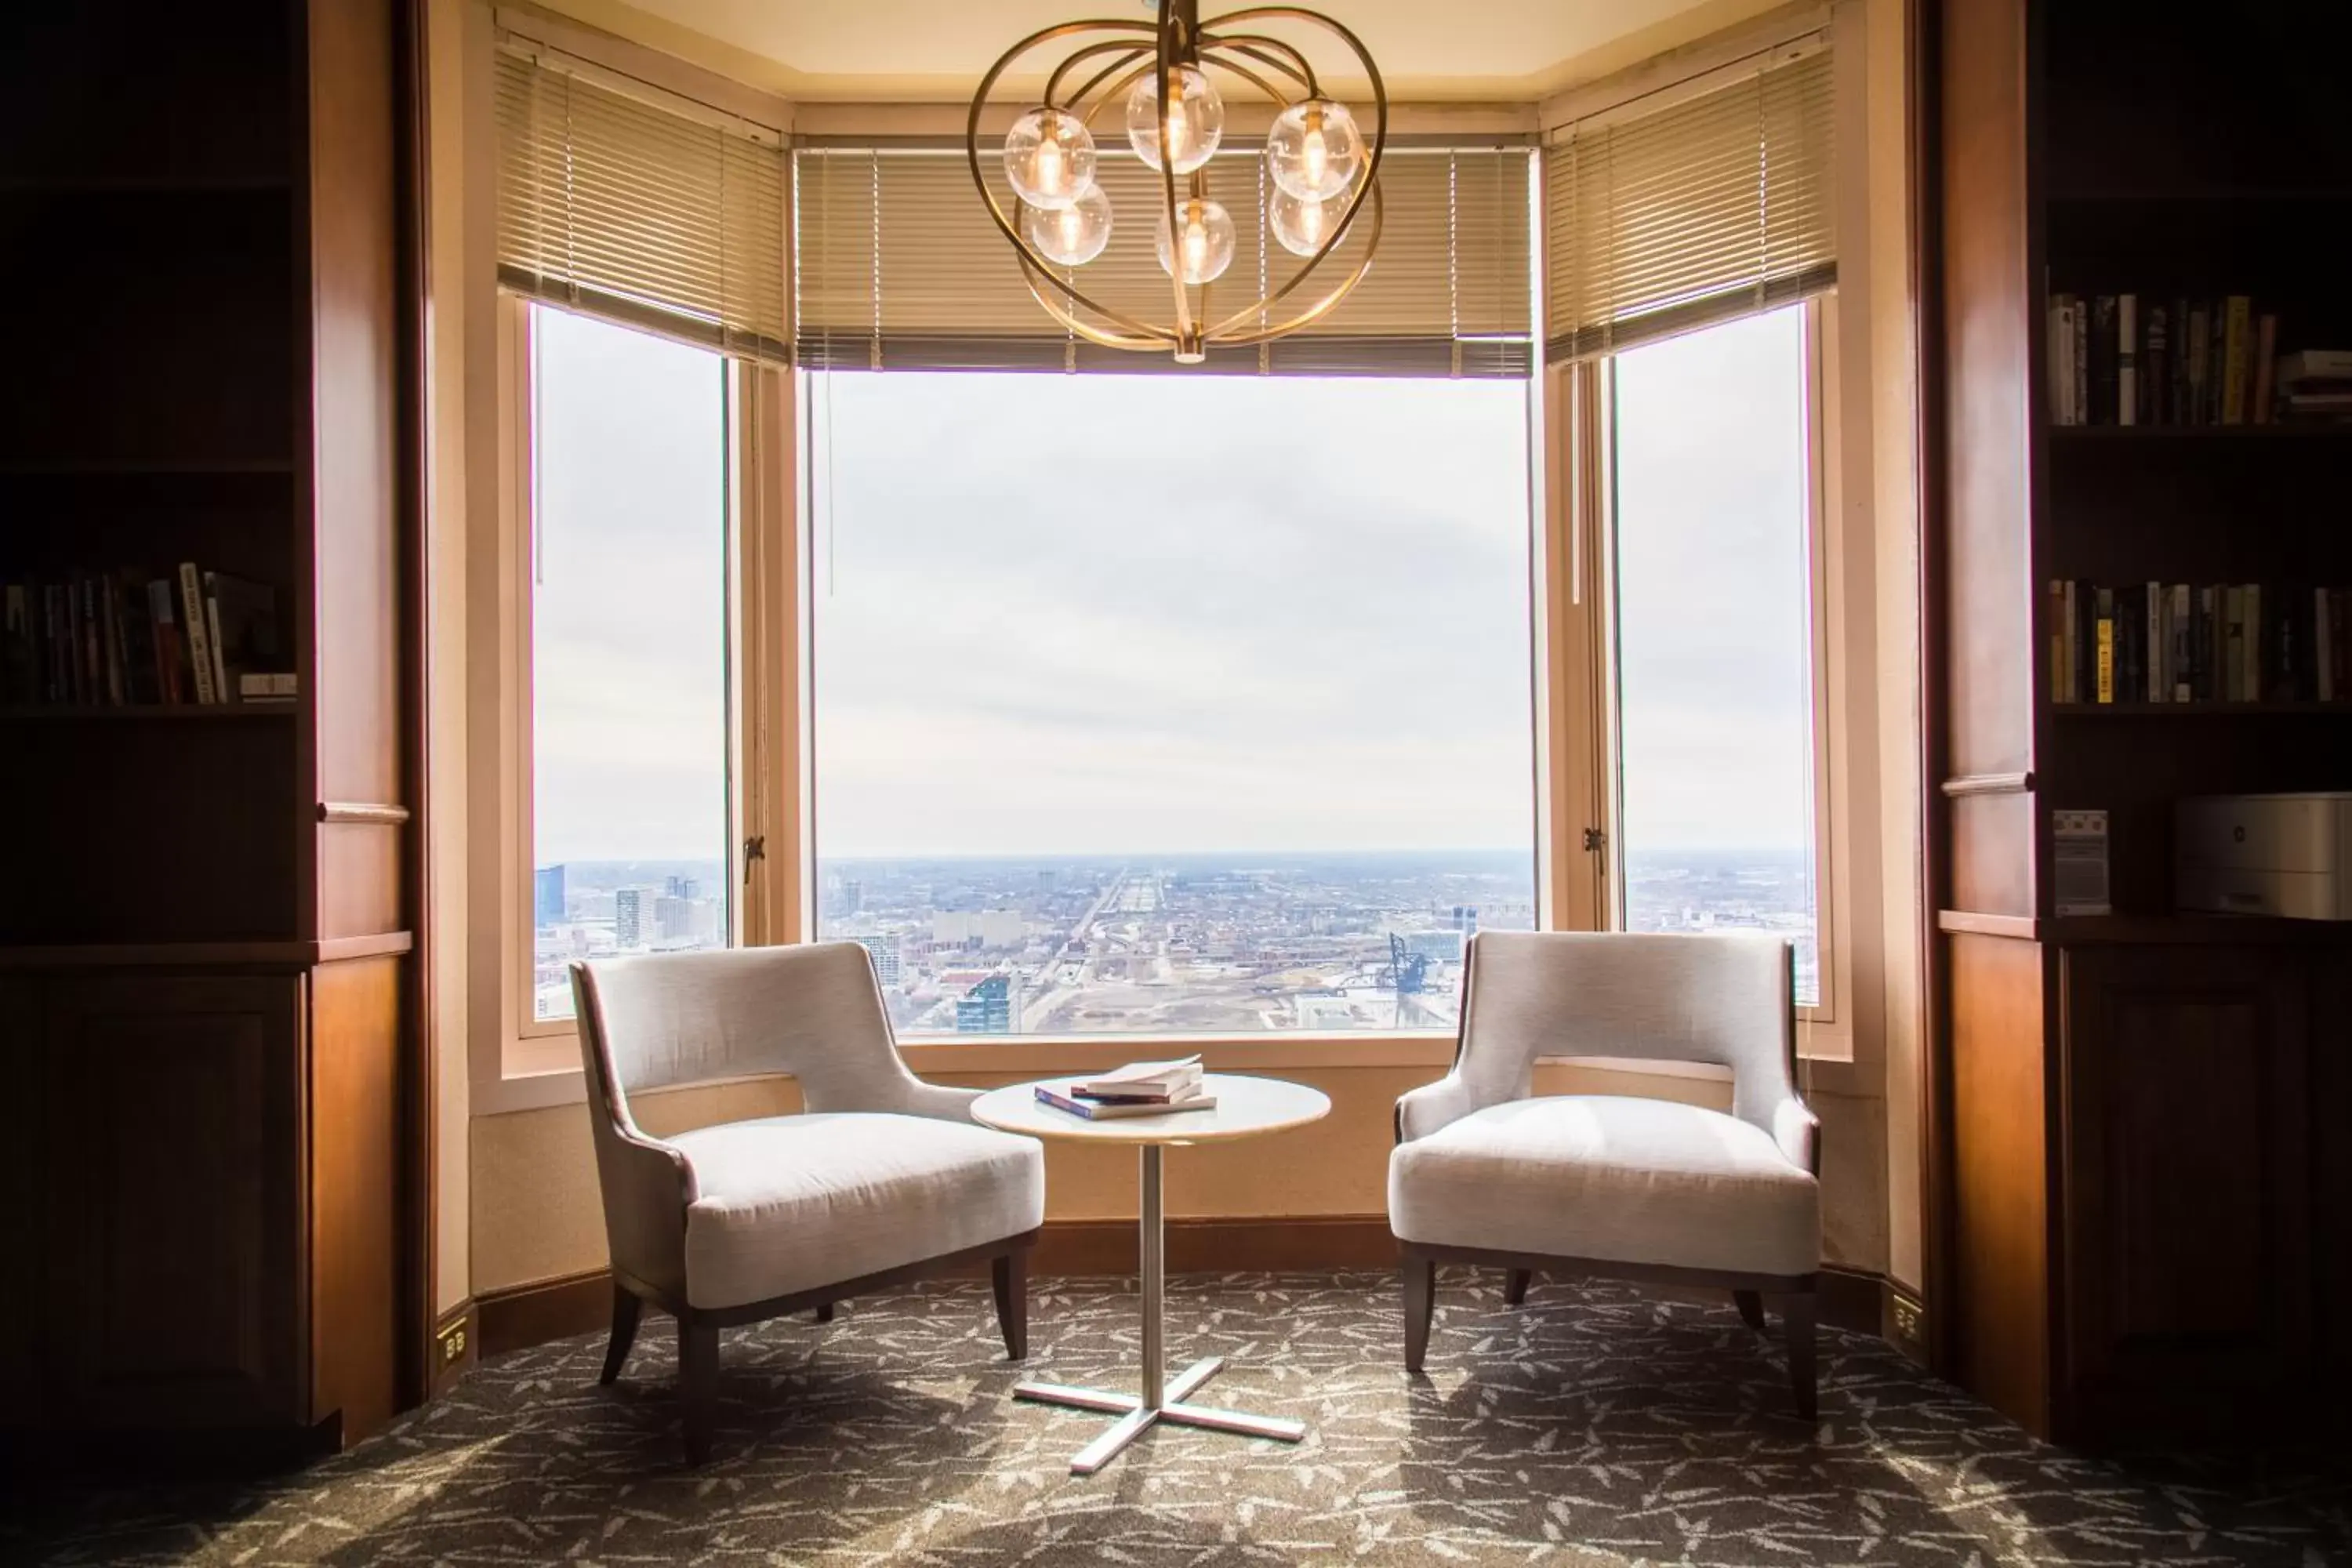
pixel 1314 149
pixel 1204 241
pixel 1049 156
pixel 1071 236
pixel 1196 119
pixel 1302 225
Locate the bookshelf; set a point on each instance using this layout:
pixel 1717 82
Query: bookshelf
pixel 2139 1213
pixel 203 980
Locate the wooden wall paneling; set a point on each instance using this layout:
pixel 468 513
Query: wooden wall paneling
pixel 25 1306
pixel 1997 1296
pixel 2330 1113
pixel 424 1366
pixel 1988 265
pixel 2188 1188
pixel 351 588
pixel 357 1213
pixel 173 1105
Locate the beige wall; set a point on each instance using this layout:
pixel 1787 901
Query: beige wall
pixel 1893 370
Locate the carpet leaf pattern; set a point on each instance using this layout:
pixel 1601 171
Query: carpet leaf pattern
pixel 1595 1425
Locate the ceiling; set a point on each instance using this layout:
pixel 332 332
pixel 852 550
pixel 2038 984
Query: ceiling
pixel 933 50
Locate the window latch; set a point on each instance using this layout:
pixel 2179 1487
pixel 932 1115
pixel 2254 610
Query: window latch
pixel 1595 840
pixel 754 848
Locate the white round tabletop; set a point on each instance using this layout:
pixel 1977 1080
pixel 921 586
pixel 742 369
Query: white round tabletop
pixel 1245 1106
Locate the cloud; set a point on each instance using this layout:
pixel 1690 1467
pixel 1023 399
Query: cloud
pixel 1160 614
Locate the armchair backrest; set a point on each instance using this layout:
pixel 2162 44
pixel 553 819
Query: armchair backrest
pixel 1728 1000
pixel 814 1011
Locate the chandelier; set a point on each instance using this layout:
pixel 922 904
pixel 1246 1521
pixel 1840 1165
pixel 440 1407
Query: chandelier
pixel 1321 171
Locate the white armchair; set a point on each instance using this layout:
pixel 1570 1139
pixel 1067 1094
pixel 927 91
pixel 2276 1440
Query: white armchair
pixel 884 1179
pixel 1486 1173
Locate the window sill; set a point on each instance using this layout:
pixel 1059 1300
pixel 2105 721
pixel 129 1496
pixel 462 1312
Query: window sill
pixel 544 1071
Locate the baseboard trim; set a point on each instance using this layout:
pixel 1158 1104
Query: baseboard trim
pixel 1221 1245
pixel 521 1316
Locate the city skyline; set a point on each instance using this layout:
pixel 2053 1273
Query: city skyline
pixel 1168 943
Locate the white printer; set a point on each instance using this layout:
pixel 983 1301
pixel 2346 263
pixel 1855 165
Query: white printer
pixel 2286 855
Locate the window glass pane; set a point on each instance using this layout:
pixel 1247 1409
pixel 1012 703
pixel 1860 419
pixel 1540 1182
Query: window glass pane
pixel 628 649
pixel 1170 704
pixel 1715 652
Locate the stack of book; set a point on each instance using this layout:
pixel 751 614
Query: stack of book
pixel 2126 358
pixel 2178 642
pixel 2316 384
pixel 129 637
pixel 1139 1088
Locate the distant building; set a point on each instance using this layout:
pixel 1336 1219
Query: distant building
pixel 547 895
pixel 885 952
pixel 674 918
pixel 1466 918
pixel 1438 946
pixel 628 917
pixel 989 928
pixel 987 1007
pixel 853 896
pixel 682 888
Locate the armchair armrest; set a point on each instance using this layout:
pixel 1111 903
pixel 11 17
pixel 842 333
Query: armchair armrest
pixel 936 1101
pixel 1423 1110
pixel 648 1186
pixel 1798 1132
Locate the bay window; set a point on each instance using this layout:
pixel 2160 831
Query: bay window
pixel 849 598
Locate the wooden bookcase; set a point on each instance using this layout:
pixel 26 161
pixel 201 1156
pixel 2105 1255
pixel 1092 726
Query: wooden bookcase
pixel 2141 1201
pixel 203 973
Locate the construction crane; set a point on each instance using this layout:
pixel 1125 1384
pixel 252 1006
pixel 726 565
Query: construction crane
pixel 1406 975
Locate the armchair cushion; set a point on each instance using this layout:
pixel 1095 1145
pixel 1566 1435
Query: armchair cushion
pixel 787 1204
pixel 1605 1178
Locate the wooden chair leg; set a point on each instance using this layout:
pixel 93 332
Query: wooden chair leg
pixel 1420 1306
pixel 697 1383
pixel 1797 1316
pixel 1752 1307
pixel 1514 1286
pixel 1010 1274
pixel 627 1308
pixel 824 1313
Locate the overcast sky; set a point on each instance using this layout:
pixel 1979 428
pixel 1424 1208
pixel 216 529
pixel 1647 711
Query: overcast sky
pixel 1155 614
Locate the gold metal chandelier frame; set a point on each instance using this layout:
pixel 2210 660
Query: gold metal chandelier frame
pixel 1177 39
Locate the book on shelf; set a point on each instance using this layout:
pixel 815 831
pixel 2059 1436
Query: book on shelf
pixel 2163 643
pixel 2124 359
pixel 130 638
pixel 1065 1098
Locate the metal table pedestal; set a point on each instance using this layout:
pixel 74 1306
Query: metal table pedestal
pixel 1162 1398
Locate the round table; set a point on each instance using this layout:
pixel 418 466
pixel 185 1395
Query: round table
pixel 1245 1106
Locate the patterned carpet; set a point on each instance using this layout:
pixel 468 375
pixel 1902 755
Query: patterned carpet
pixel 1595 1425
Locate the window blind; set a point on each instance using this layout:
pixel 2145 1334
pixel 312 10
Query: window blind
pixel 899 266
pixel 1716 206
pixel 660 215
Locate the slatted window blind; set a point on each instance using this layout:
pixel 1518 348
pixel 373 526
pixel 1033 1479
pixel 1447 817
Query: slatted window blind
pixel 899 266
pixel 640 207
pixel 1717 206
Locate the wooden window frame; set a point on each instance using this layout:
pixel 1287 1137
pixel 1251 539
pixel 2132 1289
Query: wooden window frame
pixel 762 669
pixel 1583 790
